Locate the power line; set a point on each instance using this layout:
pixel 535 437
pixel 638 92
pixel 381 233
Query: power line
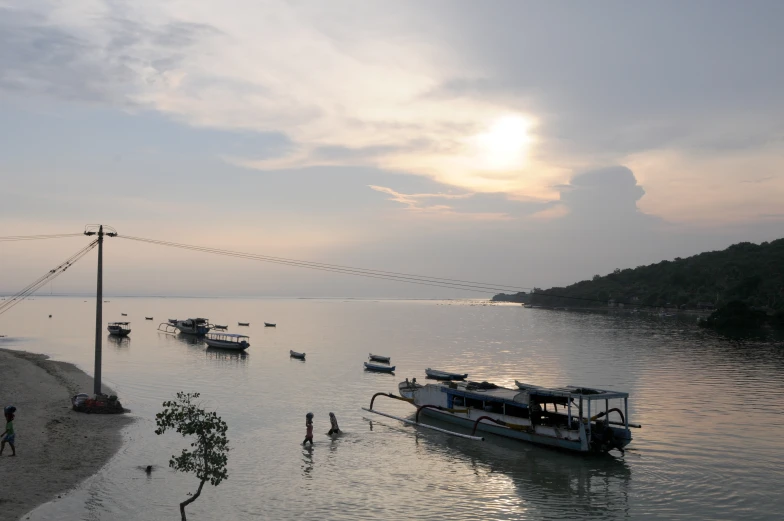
pixel 49 276
pixel 348 270
pixel 38 237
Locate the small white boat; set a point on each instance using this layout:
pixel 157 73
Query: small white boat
pixel 295 354
pixel 574 418
pixel 379 368
pixel 379 358
pixel 444 375
pixel 119 328
pixel 231 341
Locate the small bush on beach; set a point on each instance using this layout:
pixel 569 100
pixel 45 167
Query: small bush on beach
pixel 209 454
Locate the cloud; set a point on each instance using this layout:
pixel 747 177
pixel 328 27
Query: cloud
pixel 419 203
pixel 510 98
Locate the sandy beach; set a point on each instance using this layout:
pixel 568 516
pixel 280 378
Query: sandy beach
pixel 56 447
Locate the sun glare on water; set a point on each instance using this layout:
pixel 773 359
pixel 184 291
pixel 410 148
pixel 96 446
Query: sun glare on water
pixel 505 144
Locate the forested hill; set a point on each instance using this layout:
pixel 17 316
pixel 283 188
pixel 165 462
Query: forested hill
pixel 752 273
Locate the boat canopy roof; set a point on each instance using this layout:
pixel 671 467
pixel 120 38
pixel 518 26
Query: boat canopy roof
pixel 227 335
pixel 519 396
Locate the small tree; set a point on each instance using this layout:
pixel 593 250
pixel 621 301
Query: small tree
pixel 209 453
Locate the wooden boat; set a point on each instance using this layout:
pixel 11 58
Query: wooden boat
pixel 192 326
pixel 231 341
pixel 119 328
pixel 124 314
pixel 298 356
pixel 147 318
pixel 378 358
pixel 574 418
pixel 216 326
pixel 444 375
pixel 268 324
pixel 243 323
pixel 379 368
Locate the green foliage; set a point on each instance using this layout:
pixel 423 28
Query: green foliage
pixel 735 315
pixel 746 272
pixel 208 456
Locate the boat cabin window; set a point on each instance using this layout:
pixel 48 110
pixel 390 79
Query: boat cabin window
pixel 496 407
pixel 477 404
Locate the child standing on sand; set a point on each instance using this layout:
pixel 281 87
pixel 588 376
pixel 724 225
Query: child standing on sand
pixel 8 435
pixel 309 429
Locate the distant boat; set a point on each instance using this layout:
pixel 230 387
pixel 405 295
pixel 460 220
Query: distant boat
pixel 227 341
pixel 147 318
pixel 444 375
pixel 378 358
pixel 268 324
pixel 216 326
pixel 298 356
pixel 124 314
pixel 119 328
pixel 379 368
pixel 243 323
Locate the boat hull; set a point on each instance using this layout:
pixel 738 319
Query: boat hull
pixel 298 356
pixel 123 332
pixel 380 368
pixel 233 346
pixel 537 439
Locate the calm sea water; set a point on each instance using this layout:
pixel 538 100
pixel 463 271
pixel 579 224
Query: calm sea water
pixel 712 410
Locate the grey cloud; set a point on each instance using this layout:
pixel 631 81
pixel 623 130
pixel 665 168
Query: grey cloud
pixel 39 57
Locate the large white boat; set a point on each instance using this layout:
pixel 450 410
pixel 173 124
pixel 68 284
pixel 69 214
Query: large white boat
pixel 227 341
pixel 574 418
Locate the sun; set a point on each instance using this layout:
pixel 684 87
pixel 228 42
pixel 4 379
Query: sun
pixel 505 144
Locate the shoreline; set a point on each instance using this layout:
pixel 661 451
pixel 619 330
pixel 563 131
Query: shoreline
pixel 57 447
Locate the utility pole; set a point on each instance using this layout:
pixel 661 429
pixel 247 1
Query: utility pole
pixel 99 307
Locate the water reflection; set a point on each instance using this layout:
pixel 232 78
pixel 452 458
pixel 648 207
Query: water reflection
pixel 307 461
pixel 223 355
pixel 118 341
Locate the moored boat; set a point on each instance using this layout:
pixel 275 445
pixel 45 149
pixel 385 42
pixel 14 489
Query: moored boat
pixel 269 324
pixel 379 358
pixel 119 328
pixel 295 354
pixel 147 318
pixel 379 368
pixel 575 418
pixel 193 326
pixel 231 341
pixel 444 375
pixel 216 326
pixel 243 323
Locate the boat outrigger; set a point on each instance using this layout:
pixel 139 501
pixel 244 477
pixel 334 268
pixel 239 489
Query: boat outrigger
pixel 575 418
pixel 191 326
pixel 227 341
pixel 119 328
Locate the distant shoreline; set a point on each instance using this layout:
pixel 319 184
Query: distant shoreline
pixel 57 448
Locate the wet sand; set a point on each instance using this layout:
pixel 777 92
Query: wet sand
pixel 56 447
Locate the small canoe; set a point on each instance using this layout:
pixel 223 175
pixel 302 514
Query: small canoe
pixel 147 318
pixel 298 356
pixel 444 375
pixel 243 323
pixel 379 368
pixel 378 358
pixel 267 324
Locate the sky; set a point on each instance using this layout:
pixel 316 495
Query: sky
pixel 524 144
